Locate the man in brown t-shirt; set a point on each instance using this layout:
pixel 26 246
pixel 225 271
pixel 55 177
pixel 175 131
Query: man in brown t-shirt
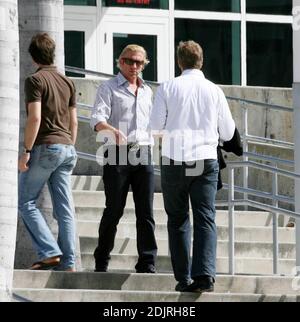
pixel 49 157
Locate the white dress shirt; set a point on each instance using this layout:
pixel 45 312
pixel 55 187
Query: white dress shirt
pixel 118 105
pixel 194 114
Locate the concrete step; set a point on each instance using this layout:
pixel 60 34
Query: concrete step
pixel 243 265
pixel 95 214
pixel 54 295
pixel 242 249
pixel 97 199
pixel 88 183
pixel 128 230
pixel 242 218
pixel 148 282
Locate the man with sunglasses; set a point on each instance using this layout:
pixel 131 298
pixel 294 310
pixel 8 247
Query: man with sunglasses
pixel 121 115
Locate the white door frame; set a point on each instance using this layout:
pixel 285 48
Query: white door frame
pixel 84 19
pixel 139 26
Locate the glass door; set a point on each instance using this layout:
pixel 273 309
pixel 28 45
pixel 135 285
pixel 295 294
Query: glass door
pixel 74 51
pixel 116 36
pixel 149 42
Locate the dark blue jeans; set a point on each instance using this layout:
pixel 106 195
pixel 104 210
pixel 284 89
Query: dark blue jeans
pixel 117 180
pixel 178 188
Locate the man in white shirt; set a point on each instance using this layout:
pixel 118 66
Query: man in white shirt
pixel 193 114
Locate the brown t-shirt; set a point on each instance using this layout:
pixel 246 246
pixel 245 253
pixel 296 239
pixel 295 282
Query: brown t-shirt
pixel 56 93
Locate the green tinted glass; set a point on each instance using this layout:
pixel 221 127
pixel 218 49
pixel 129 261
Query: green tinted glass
pixel 74 51
pixel 212 5
pixel 80 2
pixel 269 54
pixel 280 7
pixel 221 44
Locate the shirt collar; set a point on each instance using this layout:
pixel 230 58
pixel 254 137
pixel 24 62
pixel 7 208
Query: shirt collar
pixel 194 71
pixel 50 67
pixel 122 80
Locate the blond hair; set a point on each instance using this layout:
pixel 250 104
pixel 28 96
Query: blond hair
pixel 133 48
pixel 190 55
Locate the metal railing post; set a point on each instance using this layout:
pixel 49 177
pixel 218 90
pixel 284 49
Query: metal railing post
pixel 231 233
pixel 245 148
pixel 275 223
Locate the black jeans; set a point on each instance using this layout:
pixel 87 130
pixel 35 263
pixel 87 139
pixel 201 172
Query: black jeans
pixel 117 180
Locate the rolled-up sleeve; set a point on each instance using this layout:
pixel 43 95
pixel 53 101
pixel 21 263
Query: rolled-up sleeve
pixel 102 106
pixel 159 111
pixel 226 124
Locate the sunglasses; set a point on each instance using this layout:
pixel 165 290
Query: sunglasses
pixel 131 62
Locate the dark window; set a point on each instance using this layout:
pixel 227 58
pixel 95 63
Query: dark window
pixel 148 42
pixel 279 7
pixel 211 5
pixel 154 4
pixel 220 41
pixel 81 2
pixel 269 54
pixel 74 51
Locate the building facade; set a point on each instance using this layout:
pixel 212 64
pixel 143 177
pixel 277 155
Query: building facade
pixel 245 42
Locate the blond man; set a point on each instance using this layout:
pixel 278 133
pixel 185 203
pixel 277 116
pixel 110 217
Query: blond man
pixel 121 114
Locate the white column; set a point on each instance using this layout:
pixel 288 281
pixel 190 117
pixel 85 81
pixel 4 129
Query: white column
pixel 296 100
pixel 171 39
pixel 243 44
pixel 9 137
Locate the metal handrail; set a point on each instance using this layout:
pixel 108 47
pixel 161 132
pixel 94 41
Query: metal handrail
pixel 261 194
pixel 86 156
pixel 265 105
pixel 87 71
pixel 83 119
pixel 256 165
pixel 271 208
pixel 98 74
pixel 269 159
pixel 85 107
pixel 278 143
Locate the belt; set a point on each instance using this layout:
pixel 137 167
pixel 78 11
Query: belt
pixel 133 147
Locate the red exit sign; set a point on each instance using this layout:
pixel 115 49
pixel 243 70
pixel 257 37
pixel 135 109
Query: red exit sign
pixel 154 4
pixel 146 2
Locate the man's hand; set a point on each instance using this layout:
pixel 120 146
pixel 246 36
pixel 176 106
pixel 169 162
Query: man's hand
pixel 114 134
pixel 23 160
pixel 120 137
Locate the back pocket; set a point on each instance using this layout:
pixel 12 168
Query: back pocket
pixel 50 156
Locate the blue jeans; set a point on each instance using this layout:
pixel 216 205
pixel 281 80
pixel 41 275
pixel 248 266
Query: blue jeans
pixel 177 189
pixel 52 164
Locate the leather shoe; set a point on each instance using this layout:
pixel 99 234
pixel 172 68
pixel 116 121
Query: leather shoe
pixel 201 284
pixel 100 269
pixel 46 264
pixel 182 286
pixel 147 269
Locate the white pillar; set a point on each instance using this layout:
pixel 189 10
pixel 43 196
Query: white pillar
pixel 9 137
pixel 296 100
